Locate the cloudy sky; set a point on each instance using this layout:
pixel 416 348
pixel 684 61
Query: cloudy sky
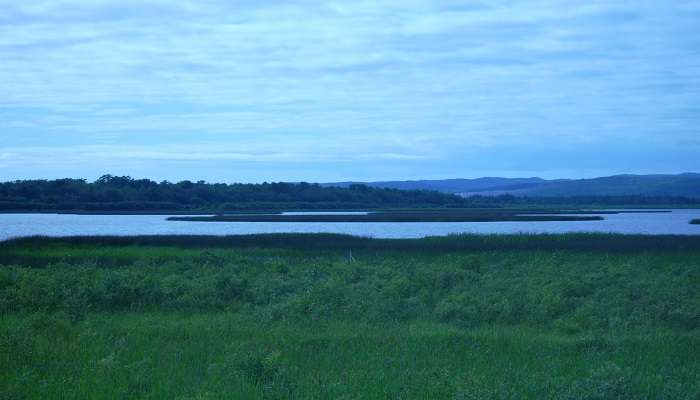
pixel 260 90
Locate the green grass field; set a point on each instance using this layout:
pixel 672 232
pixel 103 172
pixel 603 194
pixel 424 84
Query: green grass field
pixel 337 317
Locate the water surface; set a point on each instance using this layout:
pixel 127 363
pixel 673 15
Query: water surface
pixel 22 225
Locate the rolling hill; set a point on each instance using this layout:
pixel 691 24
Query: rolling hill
pixel 681 185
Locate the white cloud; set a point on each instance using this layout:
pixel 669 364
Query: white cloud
pixel 444 74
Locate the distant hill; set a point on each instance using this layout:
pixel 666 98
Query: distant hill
pixel 681 185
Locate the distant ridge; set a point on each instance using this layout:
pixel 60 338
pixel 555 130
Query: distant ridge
pixel 680 185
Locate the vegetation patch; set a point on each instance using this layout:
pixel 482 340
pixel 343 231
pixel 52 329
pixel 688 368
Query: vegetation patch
pixel 390 217
pixel 125 195
pixel 333 316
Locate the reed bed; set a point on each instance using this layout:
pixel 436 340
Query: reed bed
pixel 437 216
pixel 332 316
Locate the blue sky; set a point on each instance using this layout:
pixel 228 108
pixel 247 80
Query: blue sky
pixel 265 90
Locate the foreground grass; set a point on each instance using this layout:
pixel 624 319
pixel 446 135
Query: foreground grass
pixel 330 316
pixel 212 356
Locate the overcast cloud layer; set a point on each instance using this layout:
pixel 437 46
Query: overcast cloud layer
pixel 367 90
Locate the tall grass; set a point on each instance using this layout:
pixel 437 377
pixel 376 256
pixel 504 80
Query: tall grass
pixel 223 356
pixel 324 241
pixel 502 282
pixel 332 316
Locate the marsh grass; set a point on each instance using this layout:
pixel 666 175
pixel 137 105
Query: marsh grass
pixel 294 316
pixel 40 247
pixel 217 356
pixel 414 216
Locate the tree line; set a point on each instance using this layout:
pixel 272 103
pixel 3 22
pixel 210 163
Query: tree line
pixel 123 193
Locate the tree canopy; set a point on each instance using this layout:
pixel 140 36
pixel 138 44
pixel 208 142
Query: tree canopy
pixel 123 193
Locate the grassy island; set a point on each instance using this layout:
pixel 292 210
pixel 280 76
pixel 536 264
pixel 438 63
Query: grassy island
pixel 417 216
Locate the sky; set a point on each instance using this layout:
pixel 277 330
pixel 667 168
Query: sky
pixel 320 91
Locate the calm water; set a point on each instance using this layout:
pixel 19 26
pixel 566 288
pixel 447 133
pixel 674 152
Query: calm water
pixel 19 225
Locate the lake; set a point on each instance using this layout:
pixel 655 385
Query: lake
pixel 22 225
